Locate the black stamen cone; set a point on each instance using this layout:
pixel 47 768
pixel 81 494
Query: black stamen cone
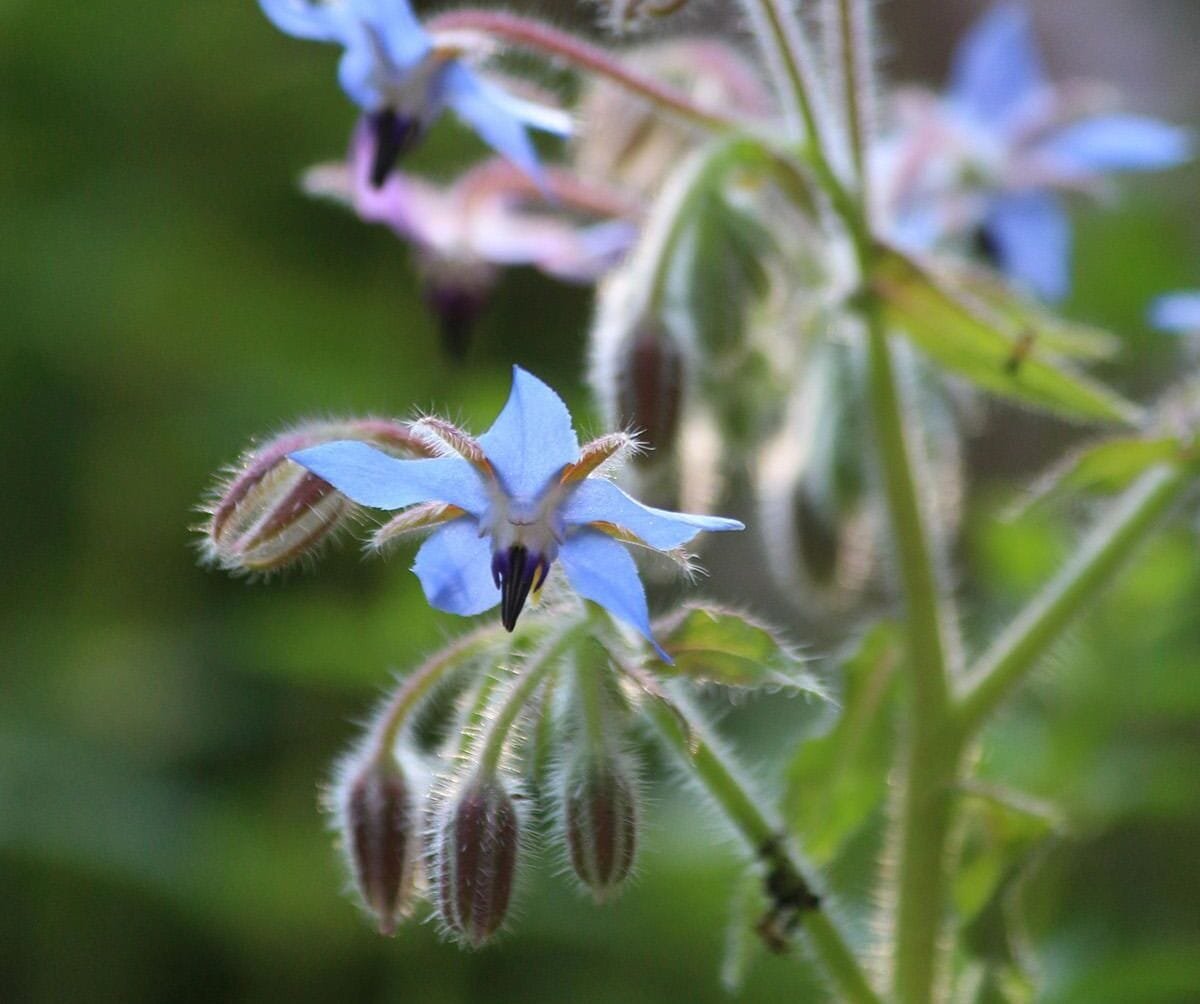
pixel 457 308
pixel 983 243
pixel 516 572
pixel 394 137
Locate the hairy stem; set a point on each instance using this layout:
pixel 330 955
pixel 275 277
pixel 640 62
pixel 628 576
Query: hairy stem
pixel 542 38
pixel 1093 567
pixel 933 753
pixel 794 903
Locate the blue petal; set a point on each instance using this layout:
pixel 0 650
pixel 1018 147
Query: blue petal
pixel 1177 312
pixel 370 477
pixel 357 74
pixel 1118 143
pixel 477 104
pixel 397 29
pixel 997 67
pixel 602 571
pixel 532 439
pixel 600 500
pixel 319 22
pixel 1032 237
pixel 455 569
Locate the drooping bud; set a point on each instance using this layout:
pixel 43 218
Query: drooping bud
pixel 378 817
pixel 600 818
pixel 476 842
pixel 272 511
pixel 651 379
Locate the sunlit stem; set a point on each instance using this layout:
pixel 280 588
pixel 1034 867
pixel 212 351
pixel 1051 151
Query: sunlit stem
pixel 534 35
pixel 855 38
pixel 1102 554
pixel 683 732
pixel 422 681
pixel 539 665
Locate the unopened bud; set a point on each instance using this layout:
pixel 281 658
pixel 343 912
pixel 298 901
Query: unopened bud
pixel 650 387
pixel 476 840
pixel 600 816
pixel 272 511
pixel 378 817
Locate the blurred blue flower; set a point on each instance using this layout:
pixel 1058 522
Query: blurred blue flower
pixel 403 79
pixel 1178 312
pixel 993 156
pixel 510 504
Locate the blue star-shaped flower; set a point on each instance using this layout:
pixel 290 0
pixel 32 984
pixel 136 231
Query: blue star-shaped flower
pixel 509 505
pixel 403 79
pixel 1018 142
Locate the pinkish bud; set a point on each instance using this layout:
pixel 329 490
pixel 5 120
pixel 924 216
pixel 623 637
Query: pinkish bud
pixel 378 817
pixel 600 815
pixel 474 859
pixel 650 387
pixel 272 511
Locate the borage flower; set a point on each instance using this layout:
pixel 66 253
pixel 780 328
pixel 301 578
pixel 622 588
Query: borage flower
pixel 404 78
pixel 491 217
pixel 992 158
pixel 509 505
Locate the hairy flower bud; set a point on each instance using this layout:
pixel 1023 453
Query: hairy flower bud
pixel 600 817
pixel 650 387
pixel 378 818
pixel 476 840
pixel 272 511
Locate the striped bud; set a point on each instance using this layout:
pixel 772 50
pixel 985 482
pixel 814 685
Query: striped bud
pixel 378 818
pixel 651 377
pixel 476 840
pixel 600 817
pixel 272 511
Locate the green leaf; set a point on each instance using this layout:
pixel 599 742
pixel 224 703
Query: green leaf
pixel 715 645
pixel 969 338
pixel 1104 468
pixel 835 782
pixel 1060 336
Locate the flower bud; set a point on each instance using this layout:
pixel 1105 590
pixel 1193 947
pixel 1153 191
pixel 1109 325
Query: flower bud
pixel 378 818
pixel 650 387
pixel 600 815
pixel 272 511
pixel 474 858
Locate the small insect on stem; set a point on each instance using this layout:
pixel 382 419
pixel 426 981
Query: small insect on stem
pixel 1022 349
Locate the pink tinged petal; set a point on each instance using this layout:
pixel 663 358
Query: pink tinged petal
pixel 1177 312
pixel 455 569
pixel 600 501
pixel 1117 143
pixel 601 570
pixel 997 67
pixel 532 440
pixel 1032 239
pixel 372 478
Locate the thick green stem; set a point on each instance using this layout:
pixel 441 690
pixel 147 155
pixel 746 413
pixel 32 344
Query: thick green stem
pixel 926 800
pixel 1093 567
pixel 792 895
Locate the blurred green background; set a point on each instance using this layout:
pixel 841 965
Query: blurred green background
pixel 167 294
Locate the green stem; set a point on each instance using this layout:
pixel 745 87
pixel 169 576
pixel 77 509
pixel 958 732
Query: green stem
pixel 415 687
pixel 1093 566
pixel 539 665
pixel 933 754
pixel 854 35
pixel 793 898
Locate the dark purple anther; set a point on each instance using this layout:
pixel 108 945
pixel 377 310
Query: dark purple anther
pixel 457 307
pixel 515 573
pixel 394 137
